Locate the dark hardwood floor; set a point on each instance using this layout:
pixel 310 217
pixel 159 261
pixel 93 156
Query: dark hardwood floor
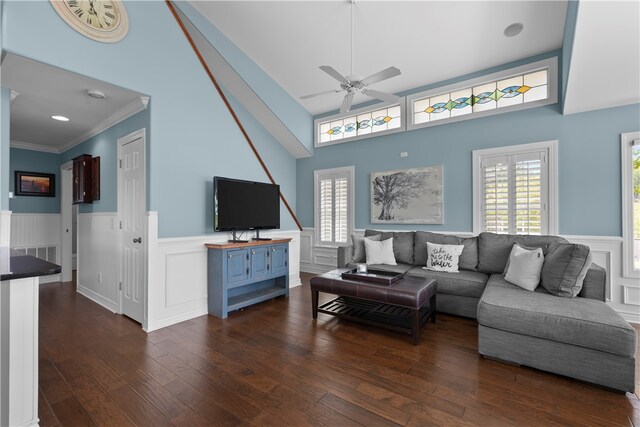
pixel 271 364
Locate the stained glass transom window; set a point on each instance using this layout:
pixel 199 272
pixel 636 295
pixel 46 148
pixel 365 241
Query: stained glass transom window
pixel 360 124
pixel 519 89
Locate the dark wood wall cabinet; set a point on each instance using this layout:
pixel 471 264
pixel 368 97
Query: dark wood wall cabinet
pixel 86 179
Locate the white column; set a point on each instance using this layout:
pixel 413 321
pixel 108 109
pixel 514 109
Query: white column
pixel 5 228
pixel 19 352
pixel 4 353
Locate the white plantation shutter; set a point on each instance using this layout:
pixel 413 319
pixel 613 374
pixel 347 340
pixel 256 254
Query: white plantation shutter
pixel 528 205
pixel 326 210
pixel 496 194
pixel 514 193
pixel 333 197
pixel 340 212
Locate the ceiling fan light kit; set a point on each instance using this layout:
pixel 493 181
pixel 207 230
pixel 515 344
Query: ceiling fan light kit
pixel 354 83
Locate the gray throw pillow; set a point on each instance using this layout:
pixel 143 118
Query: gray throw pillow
pixel 359 255
pixel 402 243
pixel 564 269
pixel 468 259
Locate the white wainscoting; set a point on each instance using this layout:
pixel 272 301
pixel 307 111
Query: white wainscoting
pixel 178 274
pixel 97 275
pixel 5 228
pixel 35 232
pixel 623 294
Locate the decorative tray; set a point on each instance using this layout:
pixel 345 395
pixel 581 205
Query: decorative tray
pixel 379 277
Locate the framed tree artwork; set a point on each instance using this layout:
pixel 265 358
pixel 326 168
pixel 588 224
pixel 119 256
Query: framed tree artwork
pixel 407 196
pixel 35 184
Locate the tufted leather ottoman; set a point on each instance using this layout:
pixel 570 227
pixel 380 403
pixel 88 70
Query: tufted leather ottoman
pixel 403 306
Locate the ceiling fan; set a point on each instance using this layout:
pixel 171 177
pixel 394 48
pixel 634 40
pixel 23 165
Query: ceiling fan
pixel 352 83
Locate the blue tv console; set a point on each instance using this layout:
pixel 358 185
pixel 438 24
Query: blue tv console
pixel 242 274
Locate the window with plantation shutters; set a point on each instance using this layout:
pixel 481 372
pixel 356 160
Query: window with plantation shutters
pixel 512 186
pixel 630 151
pixel 334 215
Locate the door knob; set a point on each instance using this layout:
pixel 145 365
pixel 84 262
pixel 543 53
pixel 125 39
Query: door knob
pixel 138 240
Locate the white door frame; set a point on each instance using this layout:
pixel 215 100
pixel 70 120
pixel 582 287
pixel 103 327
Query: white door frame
pixel 66 215
pixel 141 133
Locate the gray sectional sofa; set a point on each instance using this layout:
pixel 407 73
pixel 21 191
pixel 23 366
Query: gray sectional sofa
pixel 580 337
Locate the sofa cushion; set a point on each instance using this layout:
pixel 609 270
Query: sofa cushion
pixel 578 321
pixel 465 282
pixel 494 249
pixel 399 268
pixel 359 254
pixel 468 259
pixel 565 268
pixel 402 243
pixel 379 252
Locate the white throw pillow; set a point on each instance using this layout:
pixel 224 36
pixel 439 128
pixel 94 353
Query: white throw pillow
pixel 524 267
pixel 379 252
pixel 443 257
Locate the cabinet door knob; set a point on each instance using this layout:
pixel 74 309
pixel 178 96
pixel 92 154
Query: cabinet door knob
pixel 253 252
pixel 229 256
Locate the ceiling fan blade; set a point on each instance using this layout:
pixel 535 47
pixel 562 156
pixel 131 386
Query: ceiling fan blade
pixel 333 73
pixel 324 92
pixel 346 102
pixel 385 74
pixel 381 95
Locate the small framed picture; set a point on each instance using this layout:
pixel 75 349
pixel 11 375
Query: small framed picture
pixel 35 184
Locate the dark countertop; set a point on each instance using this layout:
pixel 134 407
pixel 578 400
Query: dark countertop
pixel 17 265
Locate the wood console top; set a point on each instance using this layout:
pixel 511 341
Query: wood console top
pixel 228 245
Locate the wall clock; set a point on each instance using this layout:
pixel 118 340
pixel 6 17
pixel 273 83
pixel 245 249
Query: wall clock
pixel 101 20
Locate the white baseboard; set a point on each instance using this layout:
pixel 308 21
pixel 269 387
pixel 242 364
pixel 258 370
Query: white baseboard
pixel 630 317
pixel 314 269
pixel 50 279
pixel 88 293
pixel 294 280
pixel 182 317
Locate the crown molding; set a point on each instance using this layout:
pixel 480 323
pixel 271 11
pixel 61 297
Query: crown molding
pixel 14 95
pixel 123 113
pixel 34 147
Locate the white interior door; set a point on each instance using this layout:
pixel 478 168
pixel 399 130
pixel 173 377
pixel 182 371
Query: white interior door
pixel 66 259
pixel 131 205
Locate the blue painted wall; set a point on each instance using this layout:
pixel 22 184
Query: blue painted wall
pixel 34 161
pixel 589 164
pixel 281 166
pixel 105 145
pixel 193 135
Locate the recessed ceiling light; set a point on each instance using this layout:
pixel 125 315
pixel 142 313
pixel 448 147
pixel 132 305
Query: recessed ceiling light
pixel 60 118
pixel 513 29
pixel 95 93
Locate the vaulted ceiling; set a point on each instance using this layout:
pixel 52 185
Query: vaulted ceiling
pixel 432 41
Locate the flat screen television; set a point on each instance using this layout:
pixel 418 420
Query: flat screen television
pixel 245 205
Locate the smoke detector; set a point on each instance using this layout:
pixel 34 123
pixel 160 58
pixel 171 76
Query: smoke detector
pixel 513 29
pixel 94 93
